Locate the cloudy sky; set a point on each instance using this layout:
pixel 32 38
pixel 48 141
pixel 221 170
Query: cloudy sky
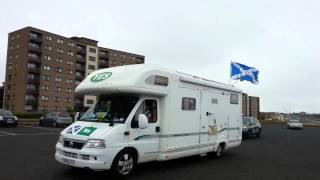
pixel 278 37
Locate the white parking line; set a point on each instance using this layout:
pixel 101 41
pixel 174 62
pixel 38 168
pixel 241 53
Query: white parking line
pixel 7 133
pixel 11 134
pixel 42 128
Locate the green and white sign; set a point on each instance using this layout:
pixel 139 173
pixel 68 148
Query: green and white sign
pixel 100 77
pixel 86 131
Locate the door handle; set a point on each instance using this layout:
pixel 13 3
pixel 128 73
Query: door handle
pixel 157 129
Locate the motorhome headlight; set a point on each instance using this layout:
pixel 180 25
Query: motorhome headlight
pixel 95 143
pixel 60 140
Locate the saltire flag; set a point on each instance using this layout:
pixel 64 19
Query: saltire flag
pixel 244 73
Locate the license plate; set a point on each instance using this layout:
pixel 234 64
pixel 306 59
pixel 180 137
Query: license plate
pixel 10 121
pixel 68 161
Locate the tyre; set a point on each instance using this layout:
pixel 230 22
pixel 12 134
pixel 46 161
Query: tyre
pixel 124 163
pixel 54 124
pixel 40 123
pixel 259 133
pixel 219 150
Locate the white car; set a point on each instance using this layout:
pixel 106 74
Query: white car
pixel 294 124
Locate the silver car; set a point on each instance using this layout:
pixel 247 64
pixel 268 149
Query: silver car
pixel 55 119
pixel 294 124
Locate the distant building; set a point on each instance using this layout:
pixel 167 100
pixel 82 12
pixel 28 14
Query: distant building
pixel 254 106
pixel 1 96
pixel 44 68
pixel 245 104
pixel 250 105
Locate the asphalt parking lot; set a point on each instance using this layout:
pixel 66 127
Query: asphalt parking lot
pixel 28 153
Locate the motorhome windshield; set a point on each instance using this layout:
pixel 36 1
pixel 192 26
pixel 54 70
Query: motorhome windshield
pixel 110 109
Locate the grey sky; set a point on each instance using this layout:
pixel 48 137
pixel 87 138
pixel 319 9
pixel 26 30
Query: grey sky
pixel 280 38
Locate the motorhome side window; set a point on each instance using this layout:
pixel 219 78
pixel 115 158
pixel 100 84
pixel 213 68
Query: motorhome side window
pixel 234 99
pixel 147 107
pixel 188 104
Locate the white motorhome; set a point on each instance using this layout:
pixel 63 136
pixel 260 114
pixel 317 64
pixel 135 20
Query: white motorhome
pixel 146 113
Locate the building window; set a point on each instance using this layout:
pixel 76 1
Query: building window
pixel 28 108
pixel 70 44
pixel 133 58
pixel 59 60
pixel 113 62
pixel 46 78
pixel 45 88
pixel 234 98
pixel 92 67
pixel 44 108
pixel 58 69
pixel 92 50
pixel 17 46
pixel 68 99
pixel 77 82
pixel 60 51
pixel 57 108
pixel 57 99
pixel 91 58
pixel 123 56
pixel 90 101
pixel 44 98
pixel 70 62
pixel 69 81
pixel 188 104
pixel 47 47
pixel 47 57
pixel 70 53
pixel 123 63
pixel 68 90
pixel 59 41
pixel 58 79
pixel 58 89
pixel 46 67
pixel 69 71
pixel 49 38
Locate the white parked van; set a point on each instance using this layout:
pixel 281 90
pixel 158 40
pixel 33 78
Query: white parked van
pixel 146 113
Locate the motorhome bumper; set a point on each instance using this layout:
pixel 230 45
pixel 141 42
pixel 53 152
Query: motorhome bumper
pixel 83 159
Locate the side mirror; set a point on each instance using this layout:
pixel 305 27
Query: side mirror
pixel 143 121
pixel 76 116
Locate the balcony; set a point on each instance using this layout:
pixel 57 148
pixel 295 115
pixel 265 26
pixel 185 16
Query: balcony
pixel 31 102
pixel 80 69
pixel 103 55
pixel 79 77
pixel 103 64
pixel 35 49
pixel 33 91
pixel 35 59
pixel 81 59
pixel 81 50
pixel 35 39
pixel 33 70
pixel 33 80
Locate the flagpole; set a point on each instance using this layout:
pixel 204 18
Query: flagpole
pixel 230 73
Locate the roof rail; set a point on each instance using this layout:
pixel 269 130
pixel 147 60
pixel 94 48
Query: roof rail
pixel 204 79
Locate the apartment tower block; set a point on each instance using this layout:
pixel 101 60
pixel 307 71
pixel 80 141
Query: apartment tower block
pixel 43 69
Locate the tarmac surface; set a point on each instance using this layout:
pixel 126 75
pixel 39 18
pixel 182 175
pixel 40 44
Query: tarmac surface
pixel 28 153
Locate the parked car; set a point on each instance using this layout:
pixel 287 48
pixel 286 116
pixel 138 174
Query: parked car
pixel 7 118
pixel 294 124
pixel 251 127
pixel 56 119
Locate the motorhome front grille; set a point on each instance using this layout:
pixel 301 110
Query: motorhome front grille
pixel 73 144
pixel 70 155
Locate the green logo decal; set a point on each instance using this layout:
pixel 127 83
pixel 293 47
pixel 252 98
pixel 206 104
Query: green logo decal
pixel 86 131
pixel 101 76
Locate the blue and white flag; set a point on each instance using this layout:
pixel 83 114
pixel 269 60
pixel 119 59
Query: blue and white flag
pixel 244 73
